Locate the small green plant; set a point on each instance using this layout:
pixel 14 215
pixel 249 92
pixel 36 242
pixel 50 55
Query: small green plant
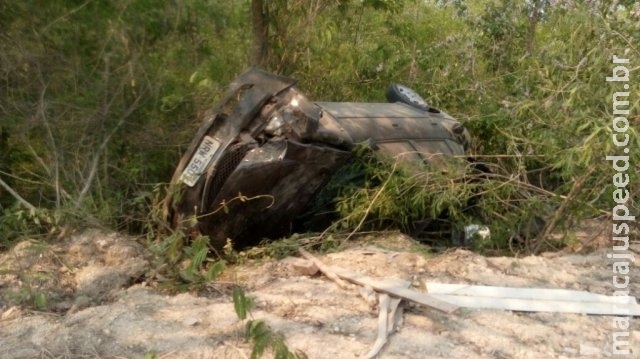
pixel 40 301
pixel 259 333
pixel 28 297
pixel 184 265
pixel 18 223
pixel 31 287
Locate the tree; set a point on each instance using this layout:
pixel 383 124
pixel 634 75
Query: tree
pixel 260 32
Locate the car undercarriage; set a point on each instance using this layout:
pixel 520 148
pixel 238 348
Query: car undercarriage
pixel 265 151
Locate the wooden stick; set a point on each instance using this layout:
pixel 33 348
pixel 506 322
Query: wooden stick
pixel 395 287
pixel 395 315
pixel 15 195
pixel 383 332
pixel 324 269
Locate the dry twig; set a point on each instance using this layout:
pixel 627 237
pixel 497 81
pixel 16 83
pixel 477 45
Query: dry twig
pixel 324 269
pixel 15 195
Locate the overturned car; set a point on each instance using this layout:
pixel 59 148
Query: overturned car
pixel 265 151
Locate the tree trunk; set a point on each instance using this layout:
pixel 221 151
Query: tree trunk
pixel 260 29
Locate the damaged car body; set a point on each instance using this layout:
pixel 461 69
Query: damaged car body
pixel 265 151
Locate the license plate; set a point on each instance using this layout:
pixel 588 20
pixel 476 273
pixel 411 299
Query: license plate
pixel 199 161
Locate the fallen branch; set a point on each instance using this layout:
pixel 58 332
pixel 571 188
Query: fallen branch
pixel 373 200
pixel 395 315
pixel 389 317
pixel 555 218
pixel 395 287
pixel 324 269
pixel 383 332
pixel 15 195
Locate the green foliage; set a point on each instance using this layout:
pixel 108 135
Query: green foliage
pixel 259 333
pixel 28 297
pixel 94 91
pixel 432 202
pixel 181 265
pixel 554 118
pixel 32 289
pixel 264 338
pixel 391 193
pixel 285 247
pixel 241 303
pixel 17 223
pixel 40 301
pixel 101 98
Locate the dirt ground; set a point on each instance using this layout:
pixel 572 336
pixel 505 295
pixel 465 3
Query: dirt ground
pixel 98 304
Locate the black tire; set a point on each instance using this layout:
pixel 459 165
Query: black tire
pixel 401 93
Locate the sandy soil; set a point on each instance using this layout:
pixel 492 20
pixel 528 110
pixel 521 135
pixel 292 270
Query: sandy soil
pixel 99 305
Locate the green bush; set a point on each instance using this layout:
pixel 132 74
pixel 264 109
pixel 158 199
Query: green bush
pixel 101 99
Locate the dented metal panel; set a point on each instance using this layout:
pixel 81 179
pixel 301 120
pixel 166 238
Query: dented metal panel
pixel 265 151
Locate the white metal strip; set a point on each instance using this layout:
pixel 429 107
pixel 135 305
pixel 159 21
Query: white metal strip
pixel 522 293
pixel 538 305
